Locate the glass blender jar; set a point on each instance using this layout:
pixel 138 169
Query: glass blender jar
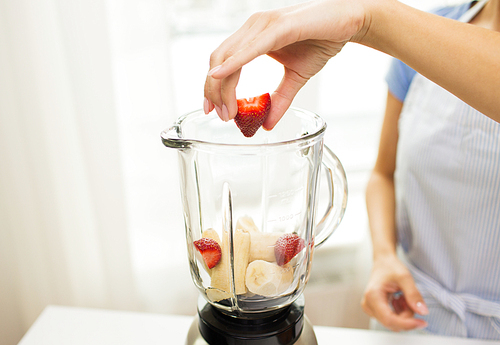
pixel 254 200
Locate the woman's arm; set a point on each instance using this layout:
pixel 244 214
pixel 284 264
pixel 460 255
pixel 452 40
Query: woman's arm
pixel 388 274
pixel 462 58
pixel 380 199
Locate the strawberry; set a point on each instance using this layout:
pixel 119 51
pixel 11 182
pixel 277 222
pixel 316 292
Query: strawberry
pixel 210 251
pixel 251 113
pixel 398 302
pixel 286 247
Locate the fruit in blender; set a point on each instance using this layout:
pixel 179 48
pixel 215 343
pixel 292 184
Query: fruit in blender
pixel 286 247
pixel 220 285
pixel 246 224
pixel 241 254
pixel 211 233
pixel 210 251
pixel 252 113
pixel 261 243
pixel 268 279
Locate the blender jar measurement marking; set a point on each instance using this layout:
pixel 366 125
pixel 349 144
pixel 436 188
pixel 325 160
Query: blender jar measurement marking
pixel 286 194
pixel 284 218
pixel 285 197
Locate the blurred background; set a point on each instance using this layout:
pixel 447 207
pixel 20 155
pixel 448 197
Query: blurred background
pixel 90 212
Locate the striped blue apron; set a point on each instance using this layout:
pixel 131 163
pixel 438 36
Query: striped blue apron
pixel 447 183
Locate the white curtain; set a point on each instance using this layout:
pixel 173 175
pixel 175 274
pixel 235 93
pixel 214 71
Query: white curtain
pixel 64 228
pixel 90 210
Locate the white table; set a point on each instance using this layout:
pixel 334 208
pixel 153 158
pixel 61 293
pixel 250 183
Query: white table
pixel 78 326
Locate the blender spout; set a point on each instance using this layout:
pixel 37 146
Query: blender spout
pixel 172 138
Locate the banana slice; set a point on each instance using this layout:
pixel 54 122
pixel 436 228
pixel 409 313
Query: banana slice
pixel 262 245
pixel 241 259
pixel 246 224
pixel 216 295
pixel 211 233
pixel 268 279
pixel 220 286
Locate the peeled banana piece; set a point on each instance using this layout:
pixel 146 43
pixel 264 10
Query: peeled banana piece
pixel 267 278
pixel 211 233
pixel 262 245
pixel 220 286
pixel 241 259
pixel 246 224
pixel 262 276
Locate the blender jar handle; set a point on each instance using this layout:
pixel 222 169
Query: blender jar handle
pixel 337 185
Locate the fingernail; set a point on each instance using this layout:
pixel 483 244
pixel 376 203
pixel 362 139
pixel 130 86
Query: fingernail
pixel 219 112
pixel 422 308
pixel 206 106
pixel 225 113
pixel 422 326
pixel 213 70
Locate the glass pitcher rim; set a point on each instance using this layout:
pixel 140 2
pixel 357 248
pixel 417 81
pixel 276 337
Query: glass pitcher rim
pixel 171 138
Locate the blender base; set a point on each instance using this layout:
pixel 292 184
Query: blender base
pixel 291 327
pixel 307 337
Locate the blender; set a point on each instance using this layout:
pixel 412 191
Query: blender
pixel 249 208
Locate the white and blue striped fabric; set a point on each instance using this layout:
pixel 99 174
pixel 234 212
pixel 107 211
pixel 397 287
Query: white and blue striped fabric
pixel 447 184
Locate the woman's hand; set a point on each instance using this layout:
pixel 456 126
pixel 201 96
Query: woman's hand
pixel 389 276
pixel 302 38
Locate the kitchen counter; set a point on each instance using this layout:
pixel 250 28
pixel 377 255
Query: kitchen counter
pixel 78 326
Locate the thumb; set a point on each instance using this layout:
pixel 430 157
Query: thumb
pixel 282 98
pixel 413 297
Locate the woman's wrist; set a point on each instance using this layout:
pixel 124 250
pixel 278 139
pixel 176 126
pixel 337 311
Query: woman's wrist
pixel 383 254
pixel 380 24
pixel 360 36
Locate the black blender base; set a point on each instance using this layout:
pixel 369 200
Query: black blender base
pixel 288 327
pixel 307 337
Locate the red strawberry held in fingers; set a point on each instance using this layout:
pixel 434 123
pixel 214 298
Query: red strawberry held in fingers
pixel 251 113
pixel 210 251
pixel 286 247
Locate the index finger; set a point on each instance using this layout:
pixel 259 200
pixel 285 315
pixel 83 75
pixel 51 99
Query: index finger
pixel 271 37
pixel 220 86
